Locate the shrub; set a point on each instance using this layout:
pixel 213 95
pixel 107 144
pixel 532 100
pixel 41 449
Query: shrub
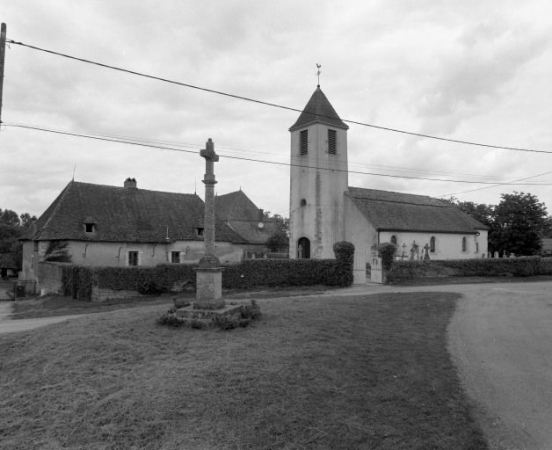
pixel 387 252
pixel 519 267
pixel 342 275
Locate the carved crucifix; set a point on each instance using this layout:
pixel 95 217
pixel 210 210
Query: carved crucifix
pixel 209 260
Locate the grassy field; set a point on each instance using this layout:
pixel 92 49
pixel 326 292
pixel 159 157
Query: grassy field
pixel 368 372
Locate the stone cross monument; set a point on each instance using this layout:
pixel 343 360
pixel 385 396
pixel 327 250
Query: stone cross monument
pixel 209 271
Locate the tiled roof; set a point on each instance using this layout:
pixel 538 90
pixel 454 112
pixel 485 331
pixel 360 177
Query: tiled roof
pixel 243 216
pixel 236 205
pixel 394 211
pixel 125 215
pixel 318 110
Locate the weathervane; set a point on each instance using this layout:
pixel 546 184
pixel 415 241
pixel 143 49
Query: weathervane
pixel 318 66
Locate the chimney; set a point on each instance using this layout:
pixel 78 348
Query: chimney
pixel 130 183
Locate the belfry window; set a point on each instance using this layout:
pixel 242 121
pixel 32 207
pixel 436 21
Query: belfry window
pixel 332 142
pixel 304 142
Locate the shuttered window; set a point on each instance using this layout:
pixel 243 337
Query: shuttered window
pixel 132 258
pixel 332 142
pixel 175 257
pixel 304 144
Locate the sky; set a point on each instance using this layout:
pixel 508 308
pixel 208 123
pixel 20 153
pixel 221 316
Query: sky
pixel 471 70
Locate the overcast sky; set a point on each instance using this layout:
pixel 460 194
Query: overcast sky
pixel 472 70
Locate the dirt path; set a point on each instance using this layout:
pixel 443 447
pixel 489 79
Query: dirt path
pixel 501 339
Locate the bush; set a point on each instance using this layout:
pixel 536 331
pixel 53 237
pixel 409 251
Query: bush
pixel 387 252
pixel 342 275
pixel 518 267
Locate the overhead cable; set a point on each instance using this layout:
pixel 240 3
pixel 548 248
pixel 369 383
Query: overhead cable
pixel 274 105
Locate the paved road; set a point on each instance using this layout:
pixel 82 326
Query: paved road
pixel 501 340
pixel 12 326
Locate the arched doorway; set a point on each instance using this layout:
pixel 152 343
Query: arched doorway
pixel 303 248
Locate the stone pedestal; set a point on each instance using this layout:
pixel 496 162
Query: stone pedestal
pixel 209 288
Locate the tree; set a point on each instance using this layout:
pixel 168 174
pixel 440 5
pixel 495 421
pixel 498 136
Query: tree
pixel 519 222
pixel 57 251
pixel 9 217
pixel 11 228
pixel 27 220
pixel 279 240
pixel 479 211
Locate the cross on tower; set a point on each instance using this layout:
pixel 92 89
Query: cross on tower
pixel 318 66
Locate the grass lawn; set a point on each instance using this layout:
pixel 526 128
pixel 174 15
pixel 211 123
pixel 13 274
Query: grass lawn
pixel 367 372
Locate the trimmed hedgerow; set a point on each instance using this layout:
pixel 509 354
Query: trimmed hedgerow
pixel 496 267
pixel 79 281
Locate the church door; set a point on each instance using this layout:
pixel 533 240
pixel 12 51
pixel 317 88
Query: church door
pixel 303 248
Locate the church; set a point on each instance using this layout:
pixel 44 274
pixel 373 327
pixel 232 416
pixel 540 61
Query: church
pixel 324 209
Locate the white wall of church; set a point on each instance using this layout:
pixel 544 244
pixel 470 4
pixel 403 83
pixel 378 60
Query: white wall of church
pixel 362 235
pixel 447 246
pixel 316 191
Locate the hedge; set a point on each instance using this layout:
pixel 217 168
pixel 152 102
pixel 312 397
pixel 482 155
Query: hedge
pixel 79 281
pixel 493 267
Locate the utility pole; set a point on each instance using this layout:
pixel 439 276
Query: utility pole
pixel 2 57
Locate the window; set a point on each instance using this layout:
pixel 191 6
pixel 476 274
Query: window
pixel 175 257
pixel 464 244
pixel 394 240
pixel 303 202
pixel 477 247
pixel 304 142
pixel 133 258
pixel 432 244
pixel 89 227
pixel 332 142
pixel 200 232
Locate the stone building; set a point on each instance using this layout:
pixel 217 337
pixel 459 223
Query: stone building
pixel 128 226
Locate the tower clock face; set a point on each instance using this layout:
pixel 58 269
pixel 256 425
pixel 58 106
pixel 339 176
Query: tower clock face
pixel 260 225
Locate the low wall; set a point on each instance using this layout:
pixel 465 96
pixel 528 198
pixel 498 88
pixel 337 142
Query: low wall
pixel 50 277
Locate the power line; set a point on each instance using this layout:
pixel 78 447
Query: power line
pixel 508 183
pixel 274 105
pixel 287 164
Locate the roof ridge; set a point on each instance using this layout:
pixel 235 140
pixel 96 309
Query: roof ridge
pixel 58 202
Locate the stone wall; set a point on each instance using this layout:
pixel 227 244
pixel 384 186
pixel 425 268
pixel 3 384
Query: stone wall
pixel 49 277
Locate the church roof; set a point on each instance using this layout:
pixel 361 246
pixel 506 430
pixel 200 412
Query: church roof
pixel 124 215
pixel 243 217
pixel 394 211
pixel 318 110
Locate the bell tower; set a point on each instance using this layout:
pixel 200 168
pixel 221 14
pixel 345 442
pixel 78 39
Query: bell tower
pixel 318 179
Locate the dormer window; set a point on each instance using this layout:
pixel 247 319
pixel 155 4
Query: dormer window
pixel 89 225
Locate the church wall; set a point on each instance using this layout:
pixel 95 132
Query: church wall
pixel 447 246
pixel 320 219
pixel 362 235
